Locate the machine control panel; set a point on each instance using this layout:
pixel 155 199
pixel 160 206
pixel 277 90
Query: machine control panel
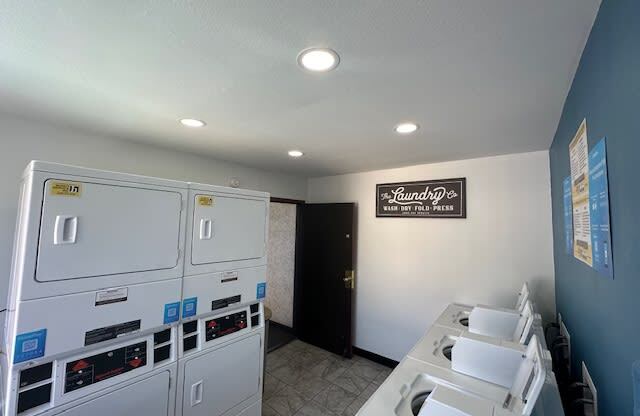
pixel 89 370
pixel 225 325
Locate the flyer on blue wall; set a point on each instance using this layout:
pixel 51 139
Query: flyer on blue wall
pixel 599 208
pixel 568 215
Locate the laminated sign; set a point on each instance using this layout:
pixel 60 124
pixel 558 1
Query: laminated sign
pixel 445 198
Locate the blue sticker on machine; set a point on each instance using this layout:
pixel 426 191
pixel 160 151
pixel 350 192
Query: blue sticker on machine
pixel 30 346
pixel 261 290
pixel 189 307
pixel 171 312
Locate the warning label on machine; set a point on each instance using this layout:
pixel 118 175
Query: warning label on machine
pixel 205 200
pixel 65 188
pixel 110 332
pixel 108 296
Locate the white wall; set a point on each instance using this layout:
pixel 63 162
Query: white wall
pixel 22 141
pixel 408 270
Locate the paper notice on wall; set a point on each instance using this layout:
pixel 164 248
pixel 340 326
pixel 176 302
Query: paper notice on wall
pixel 568 215
pixel 599 209
pixel 579 162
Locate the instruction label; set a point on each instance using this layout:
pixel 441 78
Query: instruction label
pixel 189 307
pixel 106 297
pixel 205 200
pixel 171 312
pixel 30 346
pixel 229 277
pixel 261 291
pixel 66 188
pixel 110 332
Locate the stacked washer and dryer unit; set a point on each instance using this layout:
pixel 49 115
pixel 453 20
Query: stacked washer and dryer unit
pixel 131 294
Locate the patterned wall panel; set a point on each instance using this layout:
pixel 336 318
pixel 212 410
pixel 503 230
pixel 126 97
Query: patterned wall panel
pixel 280 270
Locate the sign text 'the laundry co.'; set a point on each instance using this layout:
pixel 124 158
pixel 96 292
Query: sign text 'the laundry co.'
pixel 444 198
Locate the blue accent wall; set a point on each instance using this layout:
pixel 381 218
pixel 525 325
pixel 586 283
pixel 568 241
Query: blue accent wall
pixel 602 315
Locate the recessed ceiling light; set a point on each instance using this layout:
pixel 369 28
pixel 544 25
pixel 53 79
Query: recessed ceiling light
pixel 295 153
pixel 192 122
pixel 406 128
pixel 318 59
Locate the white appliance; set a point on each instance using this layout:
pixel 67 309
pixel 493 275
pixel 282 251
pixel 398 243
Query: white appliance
pixel 436 346
pixel 228 229
pixel 526 385
pixel 456 315
pixel 410 385
pixel 95 292
pixel 221 338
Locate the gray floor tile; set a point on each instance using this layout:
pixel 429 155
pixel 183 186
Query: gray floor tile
pixel 352 382
pixel 353 408
pixel 296 344
pixel 286 402
pixel 367 369
pixel 309 386
pixel 305 358
pixel 329 369
pixel 335 398
pixel 386 372
pixel 268 411
pixel 290 373
pixel 271 386
pixel 273 362
pixel 318 351
pixel 314 409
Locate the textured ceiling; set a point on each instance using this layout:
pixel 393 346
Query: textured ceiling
pixel 481 77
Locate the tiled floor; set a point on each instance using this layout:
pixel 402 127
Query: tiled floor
pixel 303 380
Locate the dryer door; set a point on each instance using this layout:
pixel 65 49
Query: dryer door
pixel 149 397
pixel 227 228
pixel 106 228
pixel 222 379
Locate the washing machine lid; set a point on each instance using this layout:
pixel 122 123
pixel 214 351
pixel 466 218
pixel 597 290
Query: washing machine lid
pixel 444 401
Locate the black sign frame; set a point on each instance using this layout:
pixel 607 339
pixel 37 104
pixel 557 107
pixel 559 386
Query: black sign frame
pixel 461 212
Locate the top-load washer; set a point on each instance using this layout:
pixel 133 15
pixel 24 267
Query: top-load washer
pixel 436 346
pixel 96 279
pixel 456 315
pixel 527 383
pixel 491 375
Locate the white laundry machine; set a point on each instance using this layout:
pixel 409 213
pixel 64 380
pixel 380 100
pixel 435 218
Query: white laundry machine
pixel 436 346
pixel 409 387
pixel 456 315
pixel 96 280
pixel 227 229
pixel 221 337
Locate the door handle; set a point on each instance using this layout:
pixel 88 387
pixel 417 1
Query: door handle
pixel 196 393
pixel 349 279
pixel 206 229
pixel 65 230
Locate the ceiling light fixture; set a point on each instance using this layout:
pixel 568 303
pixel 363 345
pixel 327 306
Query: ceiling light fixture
pixel 295 153
pixel 318 59
pixel 192 122
pixel 406 128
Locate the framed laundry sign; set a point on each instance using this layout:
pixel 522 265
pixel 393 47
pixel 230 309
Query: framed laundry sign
pixel 444 198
